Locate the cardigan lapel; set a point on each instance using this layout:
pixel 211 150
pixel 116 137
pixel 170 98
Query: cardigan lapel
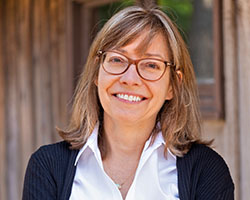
pixel 183 169
pixel 70 174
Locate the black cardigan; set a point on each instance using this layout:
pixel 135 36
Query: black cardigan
pixel 202 174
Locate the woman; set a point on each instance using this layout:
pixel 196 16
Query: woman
pixel 135 127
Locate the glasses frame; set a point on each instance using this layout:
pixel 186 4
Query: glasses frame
pixel 135 62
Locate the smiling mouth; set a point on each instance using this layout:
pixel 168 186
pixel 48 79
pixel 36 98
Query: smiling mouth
pixel 130 98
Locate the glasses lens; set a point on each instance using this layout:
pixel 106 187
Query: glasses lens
pixel 151 69
pixel 114 63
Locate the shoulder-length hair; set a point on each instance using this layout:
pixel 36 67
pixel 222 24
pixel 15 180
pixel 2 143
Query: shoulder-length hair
pixel 179 117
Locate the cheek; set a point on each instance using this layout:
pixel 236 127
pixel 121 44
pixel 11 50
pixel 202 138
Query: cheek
pixel 161 89
pixel 104 84
pixel 103 80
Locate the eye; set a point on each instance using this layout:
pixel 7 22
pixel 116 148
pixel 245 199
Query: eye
pixel 152 65
pixel 115 59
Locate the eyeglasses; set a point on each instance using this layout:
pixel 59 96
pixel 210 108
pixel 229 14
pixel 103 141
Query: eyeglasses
pixel 150 69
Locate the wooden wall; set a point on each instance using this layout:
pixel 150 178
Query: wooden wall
pixel 35 83
pixel 243 58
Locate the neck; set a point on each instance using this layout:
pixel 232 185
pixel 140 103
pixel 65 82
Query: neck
pixel 125 140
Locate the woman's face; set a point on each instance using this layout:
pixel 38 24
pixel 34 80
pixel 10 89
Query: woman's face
pixel 127 97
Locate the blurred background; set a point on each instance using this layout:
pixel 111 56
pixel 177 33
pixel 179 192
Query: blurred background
pixel 43 48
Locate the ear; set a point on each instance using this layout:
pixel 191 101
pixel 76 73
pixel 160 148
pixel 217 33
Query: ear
pixel 169 95
pixel 179 75
pixel 96 81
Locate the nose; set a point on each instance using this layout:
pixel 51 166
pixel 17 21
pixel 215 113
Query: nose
pixel 131 76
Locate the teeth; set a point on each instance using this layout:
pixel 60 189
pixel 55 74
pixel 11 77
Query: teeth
pixel 130 98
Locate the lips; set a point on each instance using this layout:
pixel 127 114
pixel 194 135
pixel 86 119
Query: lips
pixel 130 98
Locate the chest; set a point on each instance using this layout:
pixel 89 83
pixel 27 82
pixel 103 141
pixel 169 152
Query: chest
pixel 154 178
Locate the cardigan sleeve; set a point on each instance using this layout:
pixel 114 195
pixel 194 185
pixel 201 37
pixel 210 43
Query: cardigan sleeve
pixel 38 182
pixel 214 180
pixel 227 194
pixel 204 175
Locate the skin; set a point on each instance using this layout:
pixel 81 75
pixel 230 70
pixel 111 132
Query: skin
pixel 128 125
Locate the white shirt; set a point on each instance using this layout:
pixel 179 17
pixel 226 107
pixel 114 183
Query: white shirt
pixel 155 178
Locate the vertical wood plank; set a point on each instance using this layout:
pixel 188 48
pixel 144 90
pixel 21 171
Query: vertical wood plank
pixel 69 51
pixel 231 139
pixel 55 65
pixel 65 71
pixel 12 125
pixel 2 108
pixel 2 132
pixel 41 73
pixel 86 30
pixel 24 71
pixel 243 22
pixel 218 60
pixel 77 38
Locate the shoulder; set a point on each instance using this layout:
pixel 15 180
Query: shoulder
pixel 203 157
pixel 208 158
pixel 52 154
pixel 55 148
pixel 49 168
pixel 204 169
pixel 203 153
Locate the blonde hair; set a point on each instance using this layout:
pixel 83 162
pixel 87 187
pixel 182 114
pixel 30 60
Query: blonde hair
pixel 179 117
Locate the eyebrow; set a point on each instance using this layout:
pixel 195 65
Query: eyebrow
pixel 121 50
pixel 146 54
pixel 154 55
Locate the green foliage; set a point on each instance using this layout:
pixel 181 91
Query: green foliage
pixel 108 10
pixel 180 11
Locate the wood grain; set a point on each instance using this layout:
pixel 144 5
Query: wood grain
pixel 35 83
pixel 2 108
pixel 12 103
pixel 25 84
pixel 243 33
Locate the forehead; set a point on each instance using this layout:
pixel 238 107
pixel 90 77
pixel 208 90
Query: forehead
pixel 147 43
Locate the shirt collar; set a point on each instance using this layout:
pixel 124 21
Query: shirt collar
pixel 92 143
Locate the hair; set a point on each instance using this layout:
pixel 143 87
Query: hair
pixel 179 117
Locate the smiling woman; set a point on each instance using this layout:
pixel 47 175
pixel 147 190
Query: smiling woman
pixel 135 127
pixel 134 81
